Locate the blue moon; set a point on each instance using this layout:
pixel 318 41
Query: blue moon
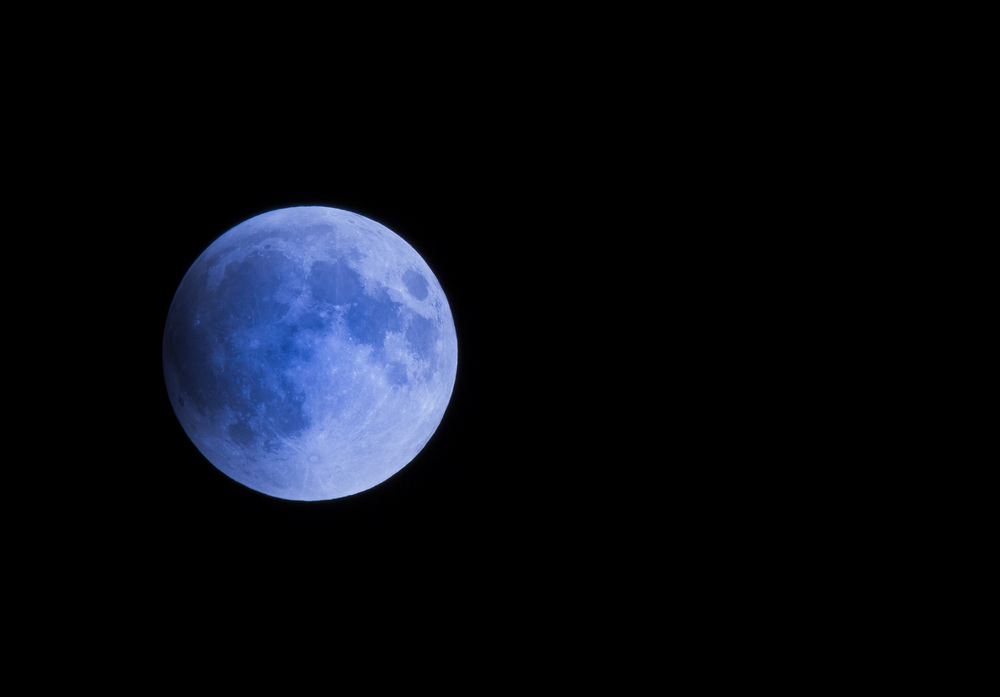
pixel 310 353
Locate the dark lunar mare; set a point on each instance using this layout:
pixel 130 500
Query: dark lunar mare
pixel 415 284
pixel 233 351
pixel 369 317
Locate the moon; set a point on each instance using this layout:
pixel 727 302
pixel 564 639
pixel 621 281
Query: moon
pixel 309 353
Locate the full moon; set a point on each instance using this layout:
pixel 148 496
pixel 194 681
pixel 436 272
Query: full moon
pixel 309 353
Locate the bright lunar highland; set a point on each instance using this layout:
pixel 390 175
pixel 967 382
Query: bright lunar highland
pixel 309 353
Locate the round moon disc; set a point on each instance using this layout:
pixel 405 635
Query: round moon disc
pixel 309 353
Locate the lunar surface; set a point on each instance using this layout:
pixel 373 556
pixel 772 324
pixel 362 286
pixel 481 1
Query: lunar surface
pixel 309 353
